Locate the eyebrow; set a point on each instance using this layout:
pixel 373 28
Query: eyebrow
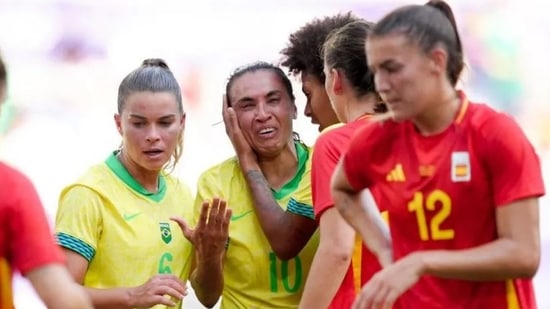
pixel 165 117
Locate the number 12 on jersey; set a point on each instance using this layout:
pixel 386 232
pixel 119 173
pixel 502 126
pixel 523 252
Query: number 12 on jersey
pixel 420 204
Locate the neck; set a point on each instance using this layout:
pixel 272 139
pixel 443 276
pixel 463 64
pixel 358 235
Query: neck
pixel 147 179
pixel 440 115
pixel 358 107
pixel 280 169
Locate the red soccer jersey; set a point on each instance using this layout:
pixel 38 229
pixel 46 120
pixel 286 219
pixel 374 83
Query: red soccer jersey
pixel 25 239
pixel 441 192
pixel 328 150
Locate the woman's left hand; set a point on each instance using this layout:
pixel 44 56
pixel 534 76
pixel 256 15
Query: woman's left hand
pixel 390 283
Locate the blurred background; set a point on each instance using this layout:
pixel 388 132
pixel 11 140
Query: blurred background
pixel 66 59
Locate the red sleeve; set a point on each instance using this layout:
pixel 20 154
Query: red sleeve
pixel 31 243
pixel 356 156
pixel 513 165
pixel 326 154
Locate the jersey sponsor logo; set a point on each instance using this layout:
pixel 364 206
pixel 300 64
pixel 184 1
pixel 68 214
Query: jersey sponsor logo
pixel 128 217
pixel 396 174
pixel 460 166
pixel 165 232
pixel 237 217
pixel 427 170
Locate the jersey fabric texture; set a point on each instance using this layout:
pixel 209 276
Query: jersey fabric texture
pixel 26 242
pixel 328 151
pixel 442 192
pixel 254 277
pixel 123 230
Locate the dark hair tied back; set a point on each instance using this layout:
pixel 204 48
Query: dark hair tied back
pixel 155 62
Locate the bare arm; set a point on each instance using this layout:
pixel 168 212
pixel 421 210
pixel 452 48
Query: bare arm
pixel 360 211
pixel 149 294
pixel 332 260
pixel 57 289
pixel 515 254
pixel 210 238
pixel 287 232
pixel 207 281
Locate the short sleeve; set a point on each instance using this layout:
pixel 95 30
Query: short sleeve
pixel 325 158
pixel 514 167
pixel 32 244
pixel 356 157
pixel 79 223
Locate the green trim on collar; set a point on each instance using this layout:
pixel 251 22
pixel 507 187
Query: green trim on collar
pixel 122 173
pixel 303 155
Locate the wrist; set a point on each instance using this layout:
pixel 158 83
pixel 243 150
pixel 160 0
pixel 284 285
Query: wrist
pixel 128 297
pixel 421 262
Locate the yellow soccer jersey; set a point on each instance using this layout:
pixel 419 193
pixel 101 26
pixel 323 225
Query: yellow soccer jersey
pixel 254 277
pixel 121 229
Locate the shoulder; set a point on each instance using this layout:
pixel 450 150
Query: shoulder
pixel 377 137
pixel 491 125
pixel 11 178
pixel 178 185
pixel 221 172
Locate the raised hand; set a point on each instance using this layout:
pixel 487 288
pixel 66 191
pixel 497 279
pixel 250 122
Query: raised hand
pixel 159 290
pixel 211 234
pixel 240 144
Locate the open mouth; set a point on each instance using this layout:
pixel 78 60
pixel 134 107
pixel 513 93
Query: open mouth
pixel 267 131
pixel 153 152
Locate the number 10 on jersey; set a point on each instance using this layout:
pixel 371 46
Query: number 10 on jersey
pixel 279 271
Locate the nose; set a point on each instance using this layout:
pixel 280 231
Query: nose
pixel 262 112
pixel 307 109
pixel 381 82
pixel 153 134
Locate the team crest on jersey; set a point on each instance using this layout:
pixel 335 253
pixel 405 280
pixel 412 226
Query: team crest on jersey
pixel 165 232
pixel 460 166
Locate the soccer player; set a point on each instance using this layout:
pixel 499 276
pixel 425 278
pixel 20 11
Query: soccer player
pixel 113 223
pixel 258 271
pixel 350 87
pixel 460 180
pixel 26 244
pixel 302 56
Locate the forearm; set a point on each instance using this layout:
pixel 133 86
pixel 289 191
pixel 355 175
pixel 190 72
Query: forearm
pixel 498 260
pixel 207 282
pixel 57 289
pixel 276 223
pixel 358 211
pixel 110 298
pixel 327 263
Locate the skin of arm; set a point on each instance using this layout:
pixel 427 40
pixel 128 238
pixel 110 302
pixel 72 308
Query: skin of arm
pixel 286 232
pixel 210 240
pixel 279 226
pixel 359 210
pixel 332 260
pixel 57 289
pixel 515 254
pixel 150 293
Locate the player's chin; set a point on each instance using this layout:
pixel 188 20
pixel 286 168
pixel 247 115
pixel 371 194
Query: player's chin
pixel 154 165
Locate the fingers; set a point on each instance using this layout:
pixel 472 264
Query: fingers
pixel 218 212
pixel 187 231
pixel 226 219
pixel 203 218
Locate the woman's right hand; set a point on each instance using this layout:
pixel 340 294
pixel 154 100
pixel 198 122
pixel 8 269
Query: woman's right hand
pixel 161 289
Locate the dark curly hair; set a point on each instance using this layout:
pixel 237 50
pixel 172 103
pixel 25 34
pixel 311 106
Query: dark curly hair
pixel 303 51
